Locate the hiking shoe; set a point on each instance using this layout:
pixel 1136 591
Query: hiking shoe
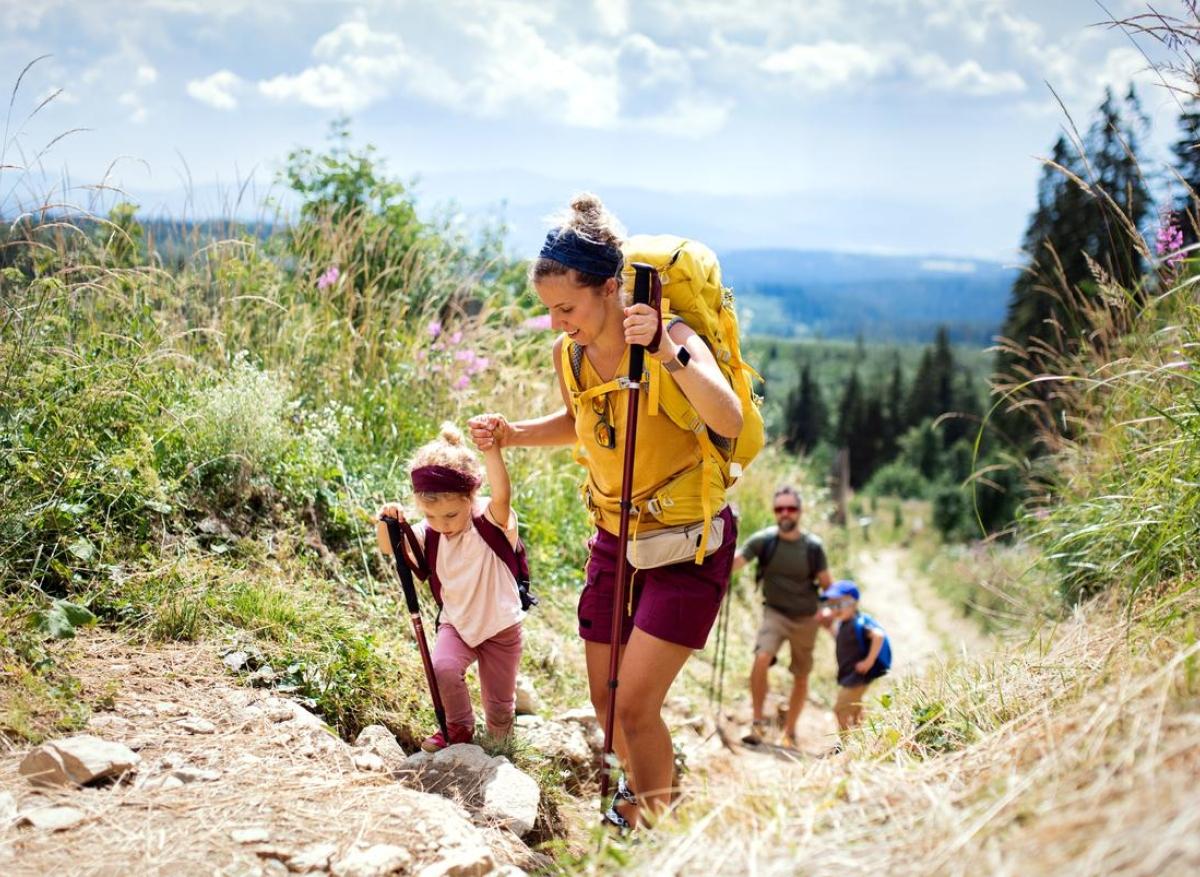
pixel 435 742
pixel 758 732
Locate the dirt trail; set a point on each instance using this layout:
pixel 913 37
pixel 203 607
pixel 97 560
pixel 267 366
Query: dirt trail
pixel 922 627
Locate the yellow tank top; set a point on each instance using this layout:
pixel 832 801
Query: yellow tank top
pixel 664 451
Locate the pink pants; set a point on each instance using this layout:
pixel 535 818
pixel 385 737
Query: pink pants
pixel 498 659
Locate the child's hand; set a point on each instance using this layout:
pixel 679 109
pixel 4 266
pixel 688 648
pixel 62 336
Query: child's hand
pixel 392 510
pixel 825 617
pixel 489 430
pixel 864 666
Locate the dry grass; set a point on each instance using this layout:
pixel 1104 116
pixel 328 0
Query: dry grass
pixel 1084 758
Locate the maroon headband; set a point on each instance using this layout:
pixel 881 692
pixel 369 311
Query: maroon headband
pixel 442 479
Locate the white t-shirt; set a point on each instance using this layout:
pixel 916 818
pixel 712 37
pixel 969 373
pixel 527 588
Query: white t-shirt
pixel 479 591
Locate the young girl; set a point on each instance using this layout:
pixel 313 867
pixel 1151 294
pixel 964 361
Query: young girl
pixel 481 607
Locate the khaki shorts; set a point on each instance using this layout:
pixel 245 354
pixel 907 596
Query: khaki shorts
pixel 800 633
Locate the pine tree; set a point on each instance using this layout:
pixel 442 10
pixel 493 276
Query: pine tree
pixel 806 416
pixel 1187 167
pixel 1071 229
pixel 894 423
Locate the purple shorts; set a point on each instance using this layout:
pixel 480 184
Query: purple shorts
pixel 677 603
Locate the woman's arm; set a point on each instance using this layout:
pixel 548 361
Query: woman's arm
pixel 547 431
pixel 701 380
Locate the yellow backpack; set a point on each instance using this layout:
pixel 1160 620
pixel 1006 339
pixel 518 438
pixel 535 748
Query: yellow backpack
pixel 692 291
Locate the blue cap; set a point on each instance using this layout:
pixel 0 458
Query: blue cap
pixel 843 588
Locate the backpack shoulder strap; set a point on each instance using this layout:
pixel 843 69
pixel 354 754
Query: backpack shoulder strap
pixel 768 552
pixel 432 537
pixel 497 540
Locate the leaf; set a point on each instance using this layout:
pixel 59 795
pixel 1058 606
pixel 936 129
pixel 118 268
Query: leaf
pixel 162 508
pixel 83 549
pixel 63 616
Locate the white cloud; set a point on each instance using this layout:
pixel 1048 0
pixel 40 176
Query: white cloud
pixel 827 64
pixel 218 90
pixel 138 113
pixel 613 16
pixel 146 75
pixel 966 78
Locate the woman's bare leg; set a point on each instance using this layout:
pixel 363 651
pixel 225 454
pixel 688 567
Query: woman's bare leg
pixel 648 668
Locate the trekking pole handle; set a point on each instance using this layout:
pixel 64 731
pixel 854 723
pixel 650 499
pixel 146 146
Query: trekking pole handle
pixel 396 537
pixel 641 296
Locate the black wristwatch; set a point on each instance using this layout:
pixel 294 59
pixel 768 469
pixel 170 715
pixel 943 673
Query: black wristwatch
pixel 682 358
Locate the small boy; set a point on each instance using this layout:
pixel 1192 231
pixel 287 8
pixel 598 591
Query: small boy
pixel 863 651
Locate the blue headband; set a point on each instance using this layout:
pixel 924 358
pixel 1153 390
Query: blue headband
pixel 568 248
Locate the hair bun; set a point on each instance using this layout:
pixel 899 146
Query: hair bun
pixel 451 434
pixel 587 204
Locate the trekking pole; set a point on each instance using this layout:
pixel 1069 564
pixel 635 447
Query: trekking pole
pixel 644 276
pixel 396 537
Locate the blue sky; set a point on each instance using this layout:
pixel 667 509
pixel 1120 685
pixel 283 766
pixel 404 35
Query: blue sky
pixel 878 125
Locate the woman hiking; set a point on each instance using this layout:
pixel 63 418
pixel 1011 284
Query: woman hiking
pixel 670 608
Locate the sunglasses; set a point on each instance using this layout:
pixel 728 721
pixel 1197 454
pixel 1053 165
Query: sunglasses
pixel 780 509
pixel 604 433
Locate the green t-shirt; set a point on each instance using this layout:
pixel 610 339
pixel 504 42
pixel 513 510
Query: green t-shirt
pixel 789 585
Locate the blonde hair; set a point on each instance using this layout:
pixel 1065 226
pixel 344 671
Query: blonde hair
pixel 447 450
pixel 590 219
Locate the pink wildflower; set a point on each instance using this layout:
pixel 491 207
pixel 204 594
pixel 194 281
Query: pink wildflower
pixel 328 278
pixel 455 338
pixel 541 321
pixel 465 355
pixel 462 383
pixel 434 328
pixel 480 363
pixel 1169 241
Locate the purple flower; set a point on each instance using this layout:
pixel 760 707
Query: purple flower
pixel 465 356
pixel 539 322
pixel 434 328
pixel 1169 241
pixel 455 338
pixel 480 363
pixel 329 278
pixel 462 383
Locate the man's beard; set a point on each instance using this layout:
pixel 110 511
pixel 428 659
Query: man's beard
pixel 787 525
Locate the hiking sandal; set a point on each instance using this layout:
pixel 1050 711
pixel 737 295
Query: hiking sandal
pixel 612 818
pixel 758 732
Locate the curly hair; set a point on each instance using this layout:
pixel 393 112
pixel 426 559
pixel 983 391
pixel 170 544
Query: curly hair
pixel 451 451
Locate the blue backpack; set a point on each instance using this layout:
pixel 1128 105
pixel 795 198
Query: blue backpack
pixel 883 661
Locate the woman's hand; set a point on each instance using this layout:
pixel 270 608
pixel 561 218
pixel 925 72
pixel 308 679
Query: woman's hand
pixel 490 430
pixel 864 666
pixel 642 323
pixel 392 510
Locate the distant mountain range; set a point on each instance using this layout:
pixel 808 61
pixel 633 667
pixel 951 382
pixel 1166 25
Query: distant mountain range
pixel 819 293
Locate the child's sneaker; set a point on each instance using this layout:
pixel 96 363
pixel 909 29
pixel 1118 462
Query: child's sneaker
pixel 435 742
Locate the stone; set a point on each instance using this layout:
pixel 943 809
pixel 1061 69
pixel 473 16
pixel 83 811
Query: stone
pixel 494 791
pixel 77 761
pixel 164 783
pixel 56 817
pixel 263 677
pixel 585 717
pixel 314 857
pixel 564 741
pixel 196 775
pixel 196 725
pixel 110 724
pixel 8 809
pixel 473 862
pixel 378 860
pixel 252 835
pixel 379 740
pixel 528 702
pixel 236 661
pixel 368 761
